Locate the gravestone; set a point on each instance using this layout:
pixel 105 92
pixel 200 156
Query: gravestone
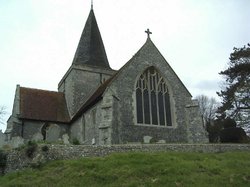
pixel 37 136
pixel 146 139
pixel 53 133
pixel 65 138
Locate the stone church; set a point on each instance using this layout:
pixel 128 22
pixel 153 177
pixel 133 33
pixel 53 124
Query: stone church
pixel 144 101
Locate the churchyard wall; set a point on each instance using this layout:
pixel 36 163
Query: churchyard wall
pixel 18 159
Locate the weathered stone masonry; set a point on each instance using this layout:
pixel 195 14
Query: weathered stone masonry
pixel 17 160
pixel 96 105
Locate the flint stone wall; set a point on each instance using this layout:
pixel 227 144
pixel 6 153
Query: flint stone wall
pixel 124 112
pixel 17 159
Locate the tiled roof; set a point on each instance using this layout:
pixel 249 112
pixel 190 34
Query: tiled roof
pixel 43 105
pixel 91 49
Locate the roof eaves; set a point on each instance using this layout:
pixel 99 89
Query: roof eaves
pixel 44 120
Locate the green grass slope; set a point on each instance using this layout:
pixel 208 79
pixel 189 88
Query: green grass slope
pixel 140 169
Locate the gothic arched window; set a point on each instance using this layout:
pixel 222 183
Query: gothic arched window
pixel 152 99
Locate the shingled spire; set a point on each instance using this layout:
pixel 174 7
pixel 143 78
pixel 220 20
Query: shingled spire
pixel 90 50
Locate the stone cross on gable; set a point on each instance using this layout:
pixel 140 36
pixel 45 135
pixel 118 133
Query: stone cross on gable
pixel 148 32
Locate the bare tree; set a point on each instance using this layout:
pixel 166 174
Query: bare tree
pixel 2 114
pixel 208 108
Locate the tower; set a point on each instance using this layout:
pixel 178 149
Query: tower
pixel 89 69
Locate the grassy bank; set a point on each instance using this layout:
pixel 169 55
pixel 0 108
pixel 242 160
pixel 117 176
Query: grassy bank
pixel 140 169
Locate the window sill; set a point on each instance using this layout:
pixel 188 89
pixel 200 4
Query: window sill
pixel 155 126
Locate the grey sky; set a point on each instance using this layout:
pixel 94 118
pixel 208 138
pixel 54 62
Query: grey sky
pixel 38 38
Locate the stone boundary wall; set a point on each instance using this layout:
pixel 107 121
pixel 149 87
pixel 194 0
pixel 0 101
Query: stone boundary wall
pixel 17 159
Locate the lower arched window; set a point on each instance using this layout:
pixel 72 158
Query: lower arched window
pixel 152 99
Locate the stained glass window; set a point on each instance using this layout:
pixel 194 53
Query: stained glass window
pixel 152 99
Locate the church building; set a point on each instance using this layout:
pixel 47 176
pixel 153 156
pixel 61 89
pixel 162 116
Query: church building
pixel 143 102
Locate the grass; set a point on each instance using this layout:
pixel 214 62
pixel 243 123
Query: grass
pixel 140 169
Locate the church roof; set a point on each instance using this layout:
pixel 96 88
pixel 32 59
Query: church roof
pixel 90 50
pixel 43 105
pixel 97 95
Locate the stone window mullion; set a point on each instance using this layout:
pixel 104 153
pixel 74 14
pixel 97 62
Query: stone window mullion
pixel 153 98
pixel 157 97
pixel 164 107
pixel 143 114
pixel 149 95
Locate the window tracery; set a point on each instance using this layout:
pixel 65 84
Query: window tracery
pixel 152 99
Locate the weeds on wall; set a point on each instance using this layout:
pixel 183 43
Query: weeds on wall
pixel 30 149
pixel 75 141
pixel 45 148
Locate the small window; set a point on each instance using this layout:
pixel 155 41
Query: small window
pixel 152 99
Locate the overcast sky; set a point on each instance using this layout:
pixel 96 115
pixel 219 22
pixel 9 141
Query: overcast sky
pixel 38 38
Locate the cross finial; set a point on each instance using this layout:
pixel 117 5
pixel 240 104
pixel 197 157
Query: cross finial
pixel 148 32
pixel 91 4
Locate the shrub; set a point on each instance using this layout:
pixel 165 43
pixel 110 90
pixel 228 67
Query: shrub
pixel 21 147
pixel 45 148
pixel 30 149
pixel 213 129
pixel 75 141
pixel 153 140
pixel 233 135
pixel 229 123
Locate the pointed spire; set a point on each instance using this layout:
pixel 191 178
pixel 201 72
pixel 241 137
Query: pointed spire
pixel 90 50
